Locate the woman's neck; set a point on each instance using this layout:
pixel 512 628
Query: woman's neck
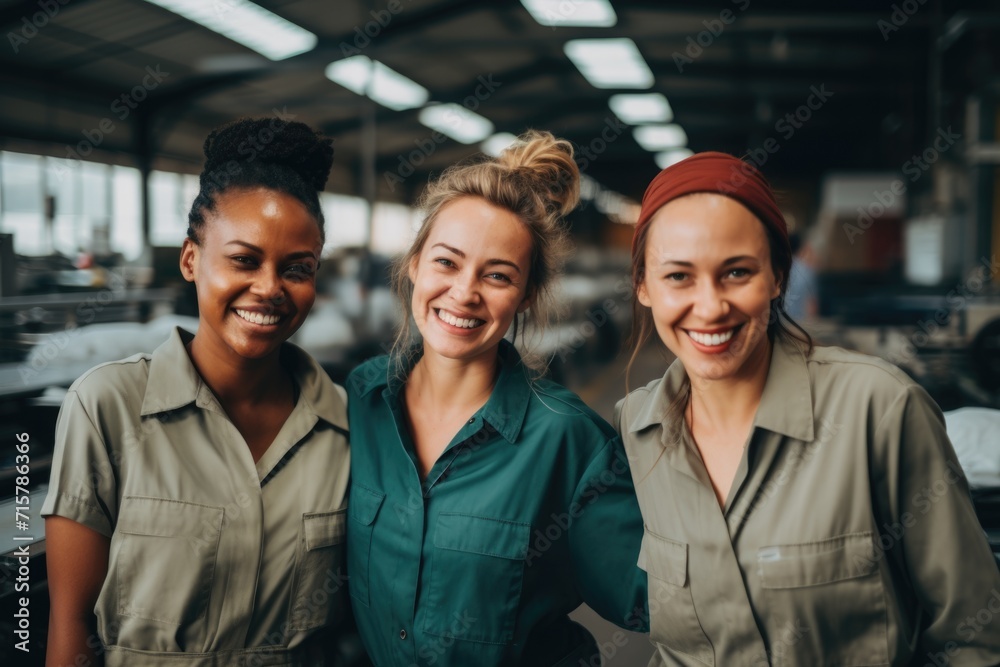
pixel 451 383
pixel 234 379
pixel 732 402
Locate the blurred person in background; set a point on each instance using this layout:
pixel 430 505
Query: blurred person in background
pixel 803 505
pixel 196 510
pixel 486 503
pixel 802 295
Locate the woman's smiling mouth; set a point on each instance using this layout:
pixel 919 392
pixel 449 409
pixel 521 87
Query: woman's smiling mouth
pixel 460 322
pixel 716 339
pixel 257 318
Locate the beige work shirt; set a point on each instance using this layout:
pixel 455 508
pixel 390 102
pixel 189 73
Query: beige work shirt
pixel 227 561
pixel 848 537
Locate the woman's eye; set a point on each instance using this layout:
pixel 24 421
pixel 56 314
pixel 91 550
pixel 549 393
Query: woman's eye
pixel 300 271
pixel 499 276
pixel 244 260
pixel 676 277
pixel 739 273
pixel 443 261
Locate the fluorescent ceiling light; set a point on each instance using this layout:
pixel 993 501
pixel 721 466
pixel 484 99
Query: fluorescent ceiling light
pixel 660 137
pixel 246 23
pixel 610 63
pixel 497 143
pixel 386 86
pixel 643 108
pixel 666 158
pixel 593 13
pixel 456 122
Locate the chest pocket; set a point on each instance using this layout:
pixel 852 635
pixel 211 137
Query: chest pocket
pixel 364 507
pixel 320 577
pixel 165 558
pixel 833 589
pixel 475 575
pixel 672 616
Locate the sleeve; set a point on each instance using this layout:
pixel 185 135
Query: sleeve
pixel 945 554
pixel 605 538
pixel 82 486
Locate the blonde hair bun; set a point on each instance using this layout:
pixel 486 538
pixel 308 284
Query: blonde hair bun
pixel 547 164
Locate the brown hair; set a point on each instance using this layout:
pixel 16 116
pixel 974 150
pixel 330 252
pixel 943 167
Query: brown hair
pixel 537 180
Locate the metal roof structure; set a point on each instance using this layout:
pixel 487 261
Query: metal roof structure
pixel 809 86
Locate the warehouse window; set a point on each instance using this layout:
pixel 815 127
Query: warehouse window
pixel 22 203
pixel 65 206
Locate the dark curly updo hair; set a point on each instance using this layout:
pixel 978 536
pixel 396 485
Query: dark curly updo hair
pixel 272 153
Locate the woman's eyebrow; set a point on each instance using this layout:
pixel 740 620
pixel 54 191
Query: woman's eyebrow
pixel 505 262
pixel 294 255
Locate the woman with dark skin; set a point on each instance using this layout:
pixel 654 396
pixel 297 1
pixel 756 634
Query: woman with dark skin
pixel 197 504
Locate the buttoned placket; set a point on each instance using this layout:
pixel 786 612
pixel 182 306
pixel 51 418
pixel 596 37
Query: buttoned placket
pixel 439 472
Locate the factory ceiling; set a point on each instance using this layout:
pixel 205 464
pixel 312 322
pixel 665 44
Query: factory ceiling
pixel 805 87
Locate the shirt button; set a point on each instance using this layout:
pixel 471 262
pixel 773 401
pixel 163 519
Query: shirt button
pixel 472 420
pixel 402 634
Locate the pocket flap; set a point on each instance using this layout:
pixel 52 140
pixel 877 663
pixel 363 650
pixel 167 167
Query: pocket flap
pixel 161 517
pixel 482 535
pixel 324 529
pixel 663 558
pixel 364 504
pixel 817 563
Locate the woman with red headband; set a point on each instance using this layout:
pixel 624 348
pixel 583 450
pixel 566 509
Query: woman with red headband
pixel 803 505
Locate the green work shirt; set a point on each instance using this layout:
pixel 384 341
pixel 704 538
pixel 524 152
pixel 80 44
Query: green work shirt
pixel 528 512
pixel 848 537
pixel 214 560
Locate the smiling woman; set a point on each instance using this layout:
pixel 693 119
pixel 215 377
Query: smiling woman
pixel 196 509
pixel 478 489
pixel 783 485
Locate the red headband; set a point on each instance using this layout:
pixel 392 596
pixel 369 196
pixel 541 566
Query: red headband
pixel 712 172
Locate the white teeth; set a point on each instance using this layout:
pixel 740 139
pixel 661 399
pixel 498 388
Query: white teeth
pixel 258 318
pixel 460 322
pixel 711 339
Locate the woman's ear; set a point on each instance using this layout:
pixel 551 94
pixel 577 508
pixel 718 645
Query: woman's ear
pixel 189 260
pixel 527 301
pixel 643 295
pixel 411 268
pixel 779 280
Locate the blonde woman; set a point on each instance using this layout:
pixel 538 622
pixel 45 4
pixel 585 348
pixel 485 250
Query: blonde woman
pixel 486 503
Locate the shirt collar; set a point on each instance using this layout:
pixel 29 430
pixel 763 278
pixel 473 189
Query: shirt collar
pixel 174 381
pixel 785 407
pixel 508 402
